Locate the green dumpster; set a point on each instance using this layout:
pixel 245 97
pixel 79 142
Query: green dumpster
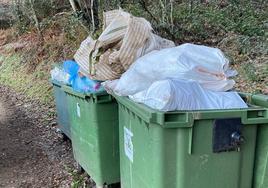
pixel 258 99
pixel 62 111
pixel 187 149
pixel 261 161
pixel 261 100
pixel 94 132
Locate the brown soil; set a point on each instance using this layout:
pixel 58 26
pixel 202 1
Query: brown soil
pixel 32 153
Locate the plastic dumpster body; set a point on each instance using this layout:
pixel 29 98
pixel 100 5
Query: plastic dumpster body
pixel 94 131
pixel 61 108
pixel 261 161
pixel 187 149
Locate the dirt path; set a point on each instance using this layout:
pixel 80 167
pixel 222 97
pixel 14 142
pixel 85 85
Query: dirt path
pixel 32 154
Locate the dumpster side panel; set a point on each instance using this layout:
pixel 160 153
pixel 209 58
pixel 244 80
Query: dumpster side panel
pixel 261 162
pixel 62 110
pixel 94 129
pixel 154 157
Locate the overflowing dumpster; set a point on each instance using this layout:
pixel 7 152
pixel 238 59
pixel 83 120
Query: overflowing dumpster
pixel 187 149
pixel 172 120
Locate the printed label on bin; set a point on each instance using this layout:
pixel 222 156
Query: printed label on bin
pixel 128 143
pixel 78 110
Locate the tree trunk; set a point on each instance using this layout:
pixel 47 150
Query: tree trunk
pixel 37 25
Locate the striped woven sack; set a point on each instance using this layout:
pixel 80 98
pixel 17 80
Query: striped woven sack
pixel 124 39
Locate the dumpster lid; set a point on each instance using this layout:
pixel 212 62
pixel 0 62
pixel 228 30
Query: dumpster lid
pixel 175 119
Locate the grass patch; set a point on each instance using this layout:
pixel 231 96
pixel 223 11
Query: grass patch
pixel 14 75
pixel 26 60
pixel 78 180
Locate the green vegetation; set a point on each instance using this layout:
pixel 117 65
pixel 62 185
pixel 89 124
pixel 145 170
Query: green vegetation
pixel 14 74
pixel 78 179
pixel 195 21
pixel 53 33
pixel 26 59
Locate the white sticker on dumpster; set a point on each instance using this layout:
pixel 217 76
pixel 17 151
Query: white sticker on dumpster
pixel 128 143
pixel 78 109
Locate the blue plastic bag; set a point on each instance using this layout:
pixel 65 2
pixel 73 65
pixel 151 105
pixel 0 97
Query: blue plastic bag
pixel 80 83
pixel 72 68
pixel 86 85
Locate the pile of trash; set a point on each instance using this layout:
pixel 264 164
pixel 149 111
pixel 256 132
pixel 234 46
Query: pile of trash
pixel 133 61
pixel 68 74
pixel 124 39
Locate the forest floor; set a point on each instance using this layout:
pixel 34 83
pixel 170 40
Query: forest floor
pixel 32 152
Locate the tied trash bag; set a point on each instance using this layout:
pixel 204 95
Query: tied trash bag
pixel 72 68
pixel 170 95
pixel 85 85
pixel 208 66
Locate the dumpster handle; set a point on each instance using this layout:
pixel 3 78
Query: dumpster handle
pixel 177 120
pixel 102 98
pixel 255 116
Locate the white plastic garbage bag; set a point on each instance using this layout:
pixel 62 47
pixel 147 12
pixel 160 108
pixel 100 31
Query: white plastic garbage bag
pixel 169 95
pixel 208 66
pixel 60 75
